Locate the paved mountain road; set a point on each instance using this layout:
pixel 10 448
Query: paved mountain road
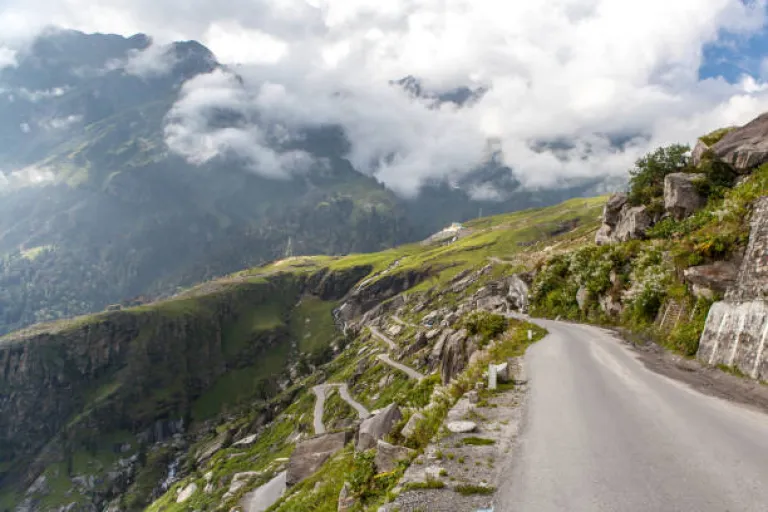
pixel 604 433
pixel 321 393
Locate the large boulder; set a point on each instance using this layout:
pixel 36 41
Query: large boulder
pixel 621 222
pixel 409 430
pixel 186 493
pixel 388 455
pixel 706 280
pixel 309 455
pixel 603 236
pixel 681 197
pixel 613 208
pixel 454 356
pixel 378 426
pixel 347 501
pixel 633 224
pixel 745 148
pixel 698 152
pixel 517 293
pixel 582 296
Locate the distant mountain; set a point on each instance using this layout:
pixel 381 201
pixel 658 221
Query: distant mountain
pixel 95 209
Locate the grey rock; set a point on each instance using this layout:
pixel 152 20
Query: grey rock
pixel 633 224
pixel 745 148
pixel 378 426
pixel 309 455
pixel 388 455
pixel 39 486
pixel 613 208
pixel 581 297
pixel 709 279
pixel 239 480
pixel 611 306
pixel 681 198
pixel 736 331
pixel 454 356
pixel 473 396
pixel 347 501
pixel 461 427
pixel 698 152
pixel 603 236
pixel 246 441
pixel 409 430
pixel 208 450
pixel 518 293
pixel 186 493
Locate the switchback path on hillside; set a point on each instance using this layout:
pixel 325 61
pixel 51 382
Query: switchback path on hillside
pixel 405 369
pixel 377 333
pixel 604 433
pixel 321 393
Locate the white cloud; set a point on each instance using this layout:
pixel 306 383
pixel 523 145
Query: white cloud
pixel 155 60
pixel 203 125
pixel 7 57
pixel 585 72
pixel 59 123
pixel 240 45
pixel 26 177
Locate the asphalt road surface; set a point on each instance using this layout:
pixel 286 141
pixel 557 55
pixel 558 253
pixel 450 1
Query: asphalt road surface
pixel 604 433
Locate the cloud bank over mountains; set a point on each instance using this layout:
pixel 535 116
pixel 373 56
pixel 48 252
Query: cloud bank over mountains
pixel 575 88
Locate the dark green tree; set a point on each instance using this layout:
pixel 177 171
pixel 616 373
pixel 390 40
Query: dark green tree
pixel 647 178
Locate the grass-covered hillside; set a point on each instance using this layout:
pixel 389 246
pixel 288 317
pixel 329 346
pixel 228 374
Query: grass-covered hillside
pixel 102 409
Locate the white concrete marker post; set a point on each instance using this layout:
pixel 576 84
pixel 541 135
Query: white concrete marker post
pixel 530 335
pixel 491 376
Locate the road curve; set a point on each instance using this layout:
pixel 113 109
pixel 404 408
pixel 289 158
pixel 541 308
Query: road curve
pixel 604 433
pixel 377 333
pixel 398 366
pixel 321 395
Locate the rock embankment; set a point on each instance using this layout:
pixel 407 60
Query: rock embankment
pixel 736 332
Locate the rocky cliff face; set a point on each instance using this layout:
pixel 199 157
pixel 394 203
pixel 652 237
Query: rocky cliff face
pixel 140 373
pixel 737 328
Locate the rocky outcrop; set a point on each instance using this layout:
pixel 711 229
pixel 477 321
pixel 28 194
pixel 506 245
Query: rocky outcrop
pixel 736 332
pixel 681 197
pixel 518 292
pixel 622 222
pixel 388 455
pixel 378 426
pixel 708 280
pixel 410 428
pixel 752 281
pixel 454 355
pixel 699 150
pixel 745 148
pixel 309 455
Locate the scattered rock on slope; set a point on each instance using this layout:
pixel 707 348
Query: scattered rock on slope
pixel 378 426
pixel 745 148
pixel 388 455
pixel 707 280
pixel 681 197
pixel 622 222
pixel 309 455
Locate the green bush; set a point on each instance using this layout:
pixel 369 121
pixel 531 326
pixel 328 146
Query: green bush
pixel 488 325
pixel 647 178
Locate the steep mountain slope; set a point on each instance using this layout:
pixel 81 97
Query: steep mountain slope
pixel 99 409
pixel 95 209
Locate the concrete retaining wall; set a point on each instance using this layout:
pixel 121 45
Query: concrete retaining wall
pixel 736 335
pixel 736 332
